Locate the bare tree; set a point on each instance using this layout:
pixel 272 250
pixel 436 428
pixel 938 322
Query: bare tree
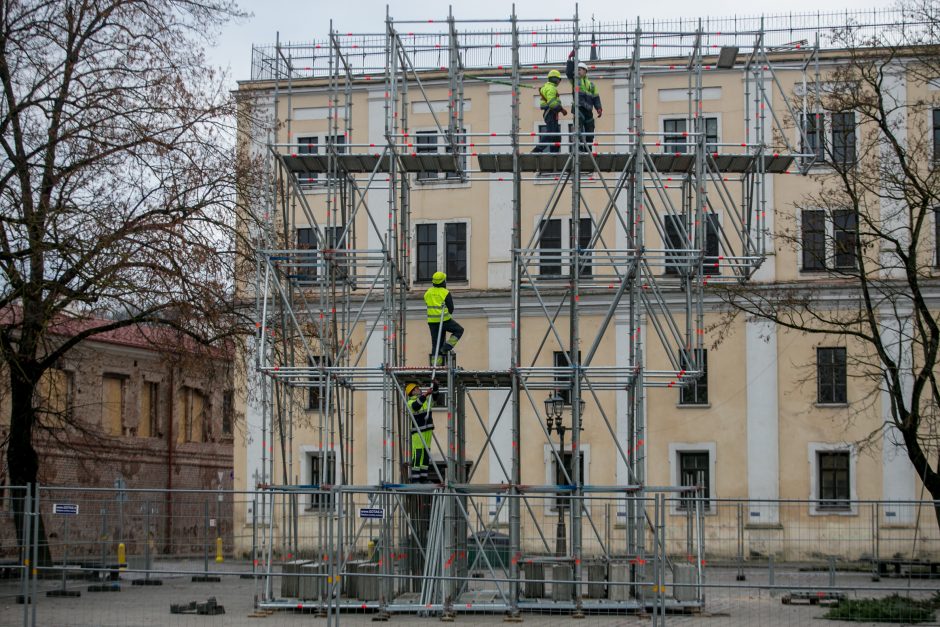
pixel 869 228
pixel 117 187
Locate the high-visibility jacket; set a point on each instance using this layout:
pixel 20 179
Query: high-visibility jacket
pixel 548 96
pixel 588 98
pixel 420 408
pixel 435 298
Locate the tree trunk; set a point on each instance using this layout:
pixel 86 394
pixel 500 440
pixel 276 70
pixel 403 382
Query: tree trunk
pixel 23 461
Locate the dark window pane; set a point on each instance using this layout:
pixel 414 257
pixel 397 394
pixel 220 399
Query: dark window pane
pixel 711 134
pixel 563 379
pixel 426 142
pixel 674 135
pixel 426 251
pixel 834 478
pixel 550 248
pixel 843 138
pixel 306 262
pixel 845 230
pixel 562 479
pixel 936 237
pixel 455 242
pixel 710 264
pixel 813 128
pixel 694 471
pixel 695 393
pixel 831 375
pixel 585 231
pixel 674 241
pixel 313 387
pixel 936 135
pixel 460 141
pixel 308 146
pixel 322 473
pixel 814 239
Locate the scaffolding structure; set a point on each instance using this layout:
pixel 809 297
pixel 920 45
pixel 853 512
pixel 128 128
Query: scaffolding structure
pixel 323 303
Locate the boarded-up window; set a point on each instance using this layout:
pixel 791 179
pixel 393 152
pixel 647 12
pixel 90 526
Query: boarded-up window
pixel 54 394
pixel 149 426
pixel 191 410
pixel 112 404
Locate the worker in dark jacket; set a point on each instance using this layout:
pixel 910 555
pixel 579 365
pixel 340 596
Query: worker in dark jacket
pixel 421 424
pixel 550 104
pixel 440 321
pixel 588 100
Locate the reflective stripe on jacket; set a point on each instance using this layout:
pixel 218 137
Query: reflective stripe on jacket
pixel 434 298
pixel 549 96
pixel 422 413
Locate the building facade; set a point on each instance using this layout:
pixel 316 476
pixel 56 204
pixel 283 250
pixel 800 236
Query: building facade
pixel 776 415
pixel 121 415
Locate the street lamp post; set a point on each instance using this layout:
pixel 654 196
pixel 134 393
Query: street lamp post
pixel 554 406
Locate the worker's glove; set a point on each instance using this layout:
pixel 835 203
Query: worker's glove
pixel 571 54
pixel 434 386
pixel 600 112
pixel 564 111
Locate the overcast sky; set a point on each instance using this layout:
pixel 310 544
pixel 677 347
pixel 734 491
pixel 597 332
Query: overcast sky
pixel 306 20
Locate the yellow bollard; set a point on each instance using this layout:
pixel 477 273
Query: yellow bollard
pixel 122 556
pixel 218 550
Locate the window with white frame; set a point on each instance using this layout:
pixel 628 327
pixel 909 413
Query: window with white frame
pixel 828 244
pixel 676 241
pixel 832 479
pixel 692 465
pixel 442 246
pixel 552 233
pixel 830 137
pixel 676 137
pixel 434 142
pixel 321 467
pixel 556 475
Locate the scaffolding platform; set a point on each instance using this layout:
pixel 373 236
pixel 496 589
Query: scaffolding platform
pixel 616 162
pixel 365 163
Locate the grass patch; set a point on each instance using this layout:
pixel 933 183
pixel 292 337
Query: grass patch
pixel 892 609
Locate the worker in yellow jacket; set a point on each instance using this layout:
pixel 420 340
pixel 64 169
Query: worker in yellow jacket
pixel 550 103
pixel 440 321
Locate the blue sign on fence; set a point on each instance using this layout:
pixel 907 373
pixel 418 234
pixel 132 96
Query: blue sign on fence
pixel 371 512
pixel 65 509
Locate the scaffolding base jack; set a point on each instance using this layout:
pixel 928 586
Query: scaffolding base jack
pixel 513 617
pixel 381 617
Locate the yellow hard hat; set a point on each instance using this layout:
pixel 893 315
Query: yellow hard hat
pixel 409 388
pixel 554 74
pixel 438 278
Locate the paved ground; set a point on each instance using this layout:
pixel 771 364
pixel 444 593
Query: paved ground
pixel 149 606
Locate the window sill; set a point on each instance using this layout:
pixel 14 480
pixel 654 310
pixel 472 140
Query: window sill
pixel 833 512
pixel 693 405
pixel 830 405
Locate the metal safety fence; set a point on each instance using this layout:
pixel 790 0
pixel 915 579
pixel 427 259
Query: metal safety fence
pixel 354 554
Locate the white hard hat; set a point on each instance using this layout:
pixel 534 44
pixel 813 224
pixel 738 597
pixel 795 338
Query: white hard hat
pixel 582 66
